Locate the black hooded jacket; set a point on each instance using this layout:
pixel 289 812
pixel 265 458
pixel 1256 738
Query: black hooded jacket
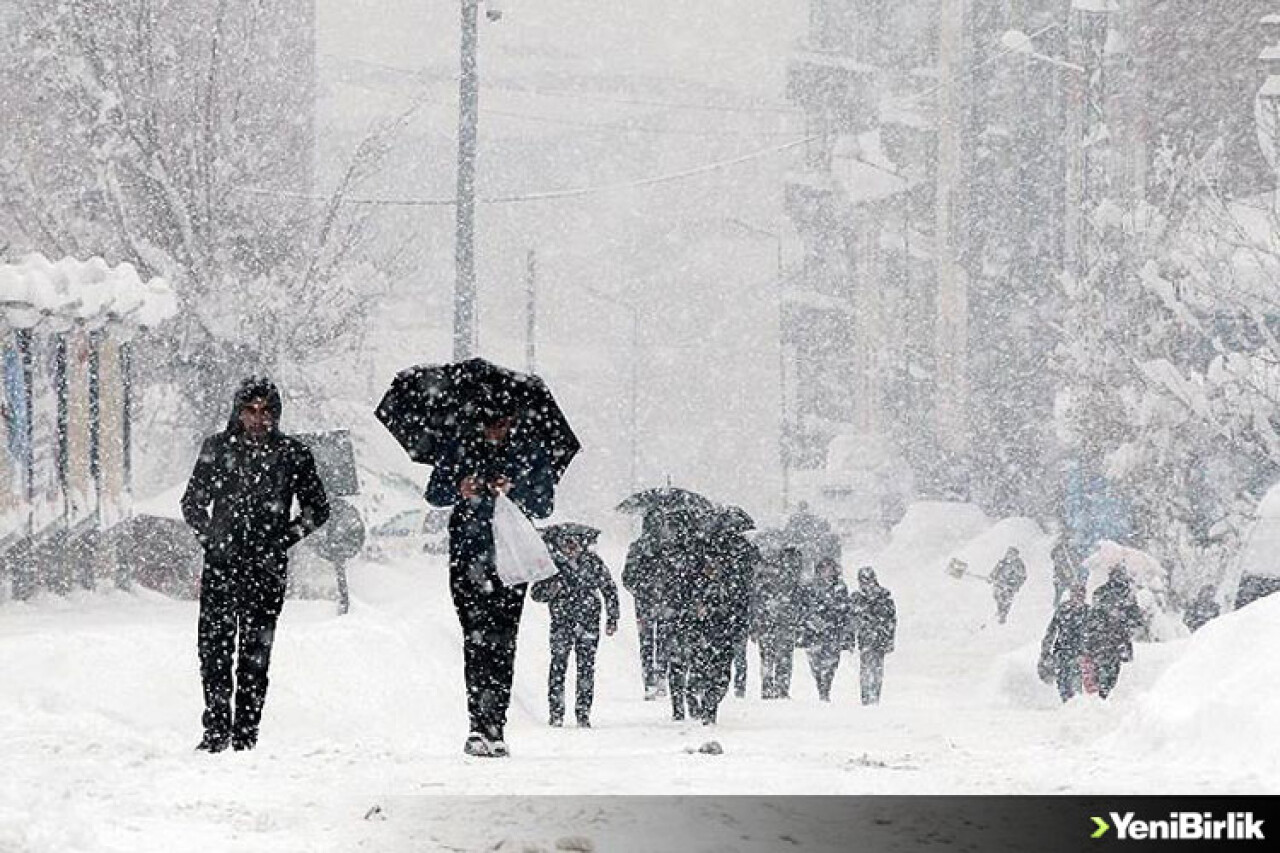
pixel 241 493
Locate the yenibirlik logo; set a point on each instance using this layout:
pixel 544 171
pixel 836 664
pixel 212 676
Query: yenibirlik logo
pixel 1183 826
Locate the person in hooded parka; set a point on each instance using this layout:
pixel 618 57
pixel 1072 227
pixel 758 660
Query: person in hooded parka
pixel 824 629
pixel 239 502
pixel 714 616
pixel 573 595
pixel 643 575
pixel 875 626
pixel 1064 643
pixel 1006 579
pixel 775 620
pixel 1113 620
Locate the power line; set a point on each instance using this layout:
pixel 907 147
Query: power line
pixel 549 195
pixel 587 96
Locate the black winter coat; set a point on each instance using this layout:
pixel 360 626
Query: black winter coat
pixel 574 593
pixel 241 493
pixel 1064 639
pixel 875 619
pixel 828 614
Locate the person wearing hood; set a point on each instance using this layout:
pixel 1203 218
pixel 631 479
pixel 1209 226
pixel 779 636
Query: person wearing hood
pixel 490 458
pixel 1113 620
pixel 239 502
pixel 574 594
pixel 1064 644
pixel 1006 579
pixel 874 624
pixel 825 627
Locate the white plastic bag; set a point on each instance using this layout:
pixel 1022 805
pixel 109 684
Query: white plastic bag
pixel 519 553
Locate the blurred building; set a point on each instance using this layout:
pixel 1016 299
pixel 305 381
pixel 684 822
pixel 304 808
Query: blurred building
pixel 949 183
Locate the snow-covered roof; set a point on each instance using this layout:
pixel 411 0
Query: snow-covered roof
pixel 1271 51
pixel 70 290
pixel 1271 87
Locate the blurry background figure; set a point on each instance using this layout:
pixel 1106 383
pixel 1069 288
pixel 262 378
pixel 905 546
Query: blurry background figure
pixel 574 595
pixel 875 622
pixel 1113 620
pixel 824 629
pixel 775 617
pixel 1006 579
pixel 1064 644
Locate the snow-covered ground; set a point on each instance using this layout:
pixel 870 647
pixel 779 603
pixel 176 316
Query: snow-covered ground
pixel 365 719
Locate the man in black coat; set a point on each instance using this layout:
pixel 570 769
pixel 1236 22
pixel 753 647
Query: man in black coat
pixel 1006 579
pixel 825 626
pixel 490 459
pixel 239 502
pixel 875 622
pixel 1113 620
pixel 775 621
pixel 655 557
pixel 1065 643
pixel 573 595
pixel 715 603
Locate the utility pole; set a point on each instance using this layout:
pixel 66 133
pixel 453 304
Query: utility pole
pixel 531 311
pixel 464 291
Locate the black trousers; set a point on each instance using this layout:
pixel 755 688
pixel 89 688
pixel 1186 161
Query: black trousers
pixel 871 677
pixel 655 640
pixel 740 666
pixel 581 638
pixel 824 659
pixel 489 613
pixel 775 667
pixel 1108 672
pixel 710 671
pixel 240 602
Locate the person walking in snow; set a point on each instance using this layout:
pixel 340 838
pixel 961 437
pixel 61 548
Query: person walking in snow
pixel 1064 643
pixel 1113 620
pixel 1067 571
pixel 574 596
pixel 239 501
pixel 645 576
pixel 712 617
pixel 775 621
pixel 875 624
pixel 1006 579
pixel 488 460
pixel 824 628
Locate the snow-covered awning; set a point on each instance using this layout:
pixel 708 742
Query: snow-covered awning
pixel 91 292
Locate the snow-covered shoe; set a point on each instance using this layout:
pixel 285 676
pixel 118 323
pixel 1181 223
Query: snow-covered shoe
pixel 477 745
pixel 651 693
pixel 213 742
pixel 499 749
pixel 584 722
pixel 556 722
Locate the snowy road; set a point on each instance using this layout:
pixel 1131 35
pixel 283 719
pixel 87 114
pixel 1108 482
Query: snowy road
pixel 101 704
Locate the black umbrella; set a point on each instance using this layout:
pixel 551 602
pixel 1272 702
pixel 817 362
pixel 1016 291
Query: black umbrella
pixel 431 406
pixel 667 499
pixel 583 533
pixel 734 519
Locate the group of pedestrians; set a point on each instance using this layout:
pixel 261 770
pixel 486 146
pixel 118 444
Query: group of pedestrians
pixel 690 573
pixel 1086 643
pixel 702 588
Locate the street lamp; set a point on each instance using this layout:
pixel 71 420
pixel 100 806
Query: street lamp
pixel 464 291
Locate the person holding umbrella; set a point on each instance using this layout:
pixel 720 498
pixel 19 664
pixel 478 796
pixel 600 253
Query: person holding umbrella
pixel 487 431
pixel 573 595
